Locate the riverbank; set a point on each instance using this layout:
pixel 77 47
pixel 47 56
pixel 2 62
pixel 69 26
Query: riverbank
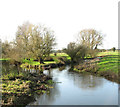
pixel 17 86
pixel 50 62
pixel 106 65
pixel 20 89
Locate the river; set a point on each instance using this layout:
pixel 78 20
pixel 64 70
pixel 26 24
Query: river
pixel 71 88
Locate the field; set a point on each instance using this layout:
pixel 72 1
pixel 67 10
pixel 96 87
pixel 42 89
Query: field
pixel 109 61
pixel 107 53
pixel 56 59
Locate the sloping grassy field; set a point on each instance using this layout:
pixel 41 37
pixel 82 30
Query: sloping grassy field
pixel 109 61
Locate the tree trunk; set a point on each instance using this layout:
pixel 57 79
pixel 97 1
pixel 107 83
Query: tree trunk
pixel 18 67
pixel 96 47
pixel 41 61
pixel 72 60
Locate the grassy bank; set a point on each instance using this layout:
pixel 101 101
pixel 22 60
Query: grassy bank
pixel 109 63
pixel 106 65
pixel 19 89
pixel 60 58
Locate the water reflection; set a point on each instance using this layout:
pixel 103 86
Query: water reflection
pixel 78 89
pixel 86 81
pixel 73 88
pixel 47 98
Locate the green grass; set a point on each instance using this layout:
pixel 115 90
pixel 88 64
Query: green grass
pixel 49 62
pixel 4 59
pixel 55 58
pixel 60 55
pixel 106 66
pixel 109 62
pixel 107 53
pixel 31 62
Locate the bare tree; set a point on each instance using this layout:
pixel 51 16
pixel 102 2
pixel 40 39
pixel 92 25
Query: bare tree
pixel 91 38
pixel 22 40
pixel 32 41
pixel 42 41
pixel 36 41
pixel 49 41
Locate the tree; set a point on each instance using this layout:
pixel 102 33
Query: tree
pixel 36 41
pixel 42 41
pixel 36 44
pixel 12 51
pixel 22 41
pixel 75 51
pixel 49 41
pixel 0 48
pixel 90 38
pixel 6 47
pixel 113 49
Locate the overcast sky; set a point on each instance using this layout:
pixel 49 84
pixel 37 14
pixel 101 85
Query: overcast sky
pixel 65 17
